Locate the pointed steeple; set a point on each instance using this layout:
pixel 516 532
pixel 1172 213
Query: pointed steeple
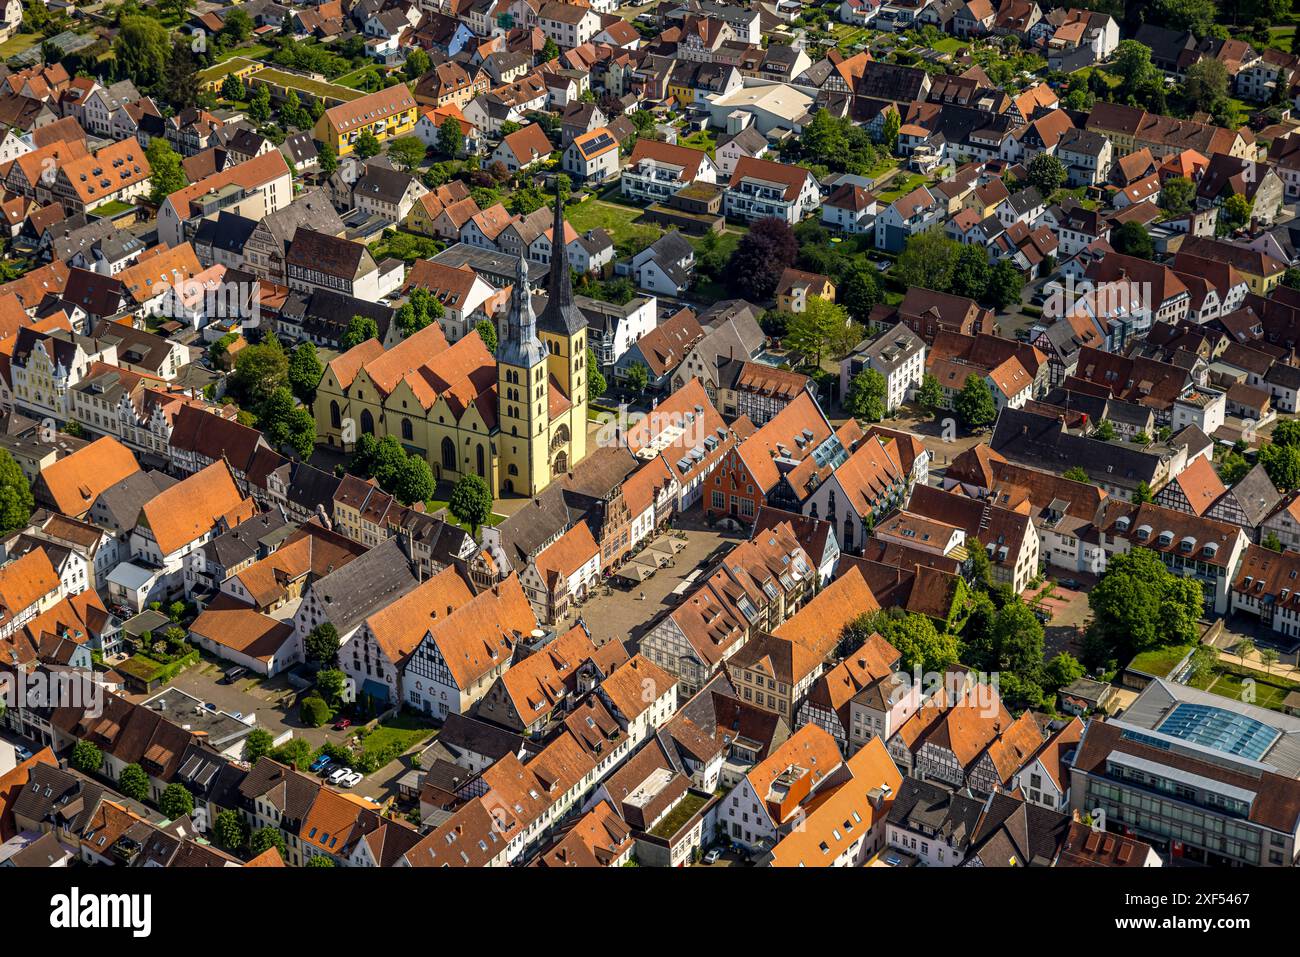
pixel 521 346
pixel 560 316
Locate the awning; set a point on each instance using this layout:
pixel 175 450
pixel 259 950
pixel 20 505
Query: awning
pixel 635 571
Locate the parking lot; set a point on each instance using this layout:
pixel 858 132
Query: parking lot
pixel 626 611
pixel 272 701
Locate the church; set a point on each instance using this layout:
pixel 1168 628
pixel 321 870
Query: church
pixel 517 420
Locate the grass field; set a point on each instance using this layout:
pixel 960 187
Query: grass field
pixel 619 221
pixel 700 140
pixel 19 42
pixel 254 52
pixel 901 185
pixel 401 730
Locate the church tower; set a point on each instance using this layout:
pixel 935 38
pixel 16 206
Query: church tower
pixel 523 421
pixel 563 330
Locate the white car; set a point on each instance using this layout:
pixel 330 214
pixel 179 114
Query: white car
pixel 338 776
pixel 352 780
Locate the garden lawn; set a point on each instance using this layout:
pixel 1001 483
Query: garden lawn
pixel 254 52
pixel 900 186
pixel 19 42
pixel 618 221
pixel 700 140
pixel 403 730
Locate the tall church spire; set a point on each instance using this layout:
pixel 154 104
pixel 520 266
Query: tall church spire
pixel 521 346
pixel 560 315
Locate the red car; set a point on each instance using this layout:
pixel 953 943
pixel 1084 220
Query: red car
pixel 342 724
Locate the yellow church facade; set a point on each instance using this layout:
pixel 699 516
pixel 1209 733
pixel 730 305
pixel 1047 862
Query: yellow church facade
pixel 517 419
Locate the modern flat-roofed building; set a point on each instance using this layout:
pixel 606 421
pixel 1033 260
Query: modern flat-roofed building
pixel 1200 777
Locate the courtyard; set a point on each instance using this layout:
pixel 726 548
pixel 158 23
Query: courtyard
pixel 625 611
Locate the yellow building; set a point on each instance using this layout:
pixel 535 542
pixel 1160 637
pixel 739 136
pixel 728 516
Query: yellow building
pixel 211 79
pixel 388 113
pixel 516 420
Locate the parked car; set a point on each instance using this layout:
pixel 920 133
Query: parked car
pixel 233 674
pixel 320 764
pixel 352 780
pixel 1070 583
pixel 328 768
pixel 342 724
pixel 712 855
pixel 338 776
pixel 23 754
pixel 893 860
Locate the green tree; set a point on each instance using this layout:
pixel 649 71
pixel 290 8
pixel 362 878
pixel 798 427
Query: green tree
pixel 265 838
pixel 760 258
pixel 638 377
pixel 360 328
pixel 549 51
pixel 133 782
pixel 918 641
pixel 259 104
pixel 471 501
pixel 16 499
pixel 1063 670
pixel 1282 463
pixel 1272 542
pixel 1076 473
pixel 928 260
pixel 238 26
pixel 166 173
pixel 1286 432
pixel 867 395
pixel 974 403
pixel 1244 649
pixel 1232 468
pixel 971 273
pixel 1132 63
pixel 1142 494
pixel 305 371
pixel 451 138
pixel 322 644
pixel 930 395
pixel 406 152
pixel 889 130
pixel 417 63
pixel 366 146
pixel 596 384
pixel 329 160
pixel 330 683
pixel 1194 15
pixel 313 711
pixel 232 87
pixel 1235 213
pixel 488 333
pixel 141 50
pixel 817 330
pixel 1006 283
pixel 320 860
pixel 414 481
pixel 1140 604
pixel 859 292
pixel 229 830
pixel 293 113
pixel 176 801
pixel 1132 239
pixel 1104 431
pixel 1047 173
pixel 1177 195
pixel 86 757
pixel 257 745
pixel 181 76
